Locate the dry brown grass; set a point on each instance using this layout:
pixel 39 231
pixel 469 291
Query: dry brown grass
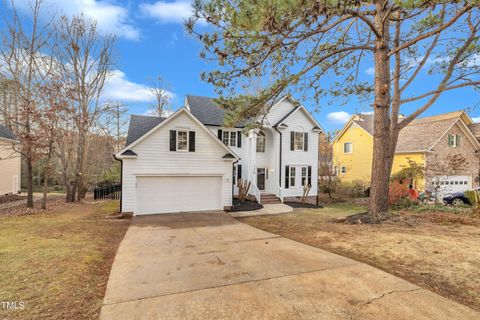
pixel 58 262
pixel 436 251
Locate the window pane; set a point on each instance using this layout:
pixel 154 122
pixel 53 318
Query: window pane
pixel 260 143
pixel 182 140
pixel 298 141
pixel 233 139
pixel 226 136
pixel 304 175
pixel 292 176
pixel 347 147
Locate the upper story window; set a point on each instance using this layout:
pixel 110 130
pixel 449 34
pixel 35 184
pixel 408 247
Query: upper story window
pixel 298 141
pixel 347 147
pixel 229 138
pixel 344 170
pixel 454 140
pixel 182 140
pixel 261 142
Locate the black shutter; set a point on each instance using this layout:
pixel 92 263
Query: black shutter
pixel 239 139
pixel 292 140
pixel 191 142
pixel 173 140
pixel 287 176
pixel 309 179
pixel 239 171
pixel 219 134
pixel 305 141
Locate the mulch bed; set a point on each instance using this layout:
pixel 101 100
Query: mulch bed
pixel 360 218
pixel 53 202
pixel 247 205
pixel 303 205
pixel 11 197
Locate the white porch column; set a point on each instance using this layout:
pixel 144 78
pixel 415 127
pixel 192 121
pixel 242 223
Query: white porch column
pixel 252 170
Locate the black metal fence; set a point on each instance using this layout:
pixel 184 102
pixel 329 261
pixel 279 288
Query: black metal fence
pixel 110 192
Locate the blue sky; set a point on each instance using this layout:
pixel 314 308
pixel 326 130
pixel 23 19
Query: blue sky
pixel 152 42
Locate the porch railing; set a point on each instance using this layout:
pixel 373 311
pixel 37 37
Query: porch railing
pixel 280 193
pixel 255 192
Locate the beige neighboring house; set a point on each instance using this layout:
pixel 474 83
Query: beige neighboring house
pixel 10 163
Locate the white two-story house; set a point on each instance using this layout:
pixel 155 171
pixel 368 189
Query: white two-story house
pixel 191 162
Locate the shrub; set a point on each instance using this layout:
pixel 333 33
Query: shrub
pixel 470 195
pixel 400 195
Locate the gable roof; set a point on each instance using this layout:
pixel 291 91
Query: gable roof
pixel 6 133
pixel 207 111
pixel 162 122
pixel 139 125
pixel 418 136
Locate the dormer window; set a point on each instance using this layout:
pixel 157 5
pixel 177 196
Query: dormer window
pixel 261 142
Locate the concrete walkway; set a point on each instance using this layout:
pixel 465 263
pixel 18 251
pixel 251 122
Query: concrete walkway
pixel 210 266
pixel 268 209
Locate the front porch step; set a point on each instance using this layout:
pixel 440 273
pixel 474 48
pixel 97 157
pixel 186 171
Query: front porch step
pixel 268 198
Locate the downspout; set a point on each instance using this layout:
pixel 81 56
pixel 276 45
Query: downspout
pixel 280 160
pixel 233 184
pixel 121 182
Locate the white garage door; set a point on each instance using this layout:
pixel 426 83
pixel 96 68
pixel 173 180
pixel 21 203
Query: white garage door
pixel 451 184
pixel 177 194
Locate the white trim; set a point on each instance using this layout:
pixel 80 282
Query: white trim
pixel 175 114
pixel 309 116
pixel 351 148
pixel 347 126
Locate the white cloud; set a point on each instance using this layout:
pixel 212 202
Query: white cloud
pixel 370 71
pixel 338 117
pixel 476 119
pixel 110 17
pixel 168 12
pixel 119 88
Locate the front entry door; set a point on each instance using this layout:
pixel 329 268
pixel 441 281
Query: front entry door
pixel 261 178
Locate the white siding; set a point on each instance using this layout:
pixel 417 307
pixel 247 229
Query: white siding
pixel 155 157
pixel 298 121
pixel 277 113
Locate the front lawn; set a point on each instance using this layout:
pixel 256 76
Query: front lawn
pixel 56 264
pixel 438 251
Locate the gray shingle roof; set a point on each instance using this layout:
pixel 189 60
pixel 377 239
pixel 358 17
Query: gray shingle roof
pixel 139 125
pixel 420 135
pixel 207 111
pixel 6 133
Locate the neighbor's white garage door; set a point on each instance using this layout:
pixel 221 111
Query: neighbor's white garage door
pixel 451 184
pixel 177 194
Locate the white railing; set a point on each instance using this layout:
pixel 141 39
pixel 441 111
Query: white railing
pixel 279 193
pixel 255 191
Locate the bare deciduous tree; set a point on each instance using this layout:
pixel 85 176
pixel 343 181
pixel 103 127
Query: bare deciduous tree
pixel 25 61
pixel 85 60
pixel 162 97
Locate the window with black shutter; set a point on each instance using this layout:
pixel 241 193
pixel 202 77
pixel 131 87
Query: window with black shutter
pixel 191 142
pixel 173 140
pixel 287 176
pixel 239 139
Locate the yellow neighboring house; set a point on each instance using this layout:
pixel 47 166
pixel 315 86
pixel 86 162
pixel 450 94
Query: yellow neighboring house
pixel 427 141
pixel 9 163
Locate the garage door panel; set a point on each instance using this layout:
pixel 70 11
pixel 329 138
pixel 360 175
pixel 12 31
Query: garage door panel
pixel 177 194
pixel 451 184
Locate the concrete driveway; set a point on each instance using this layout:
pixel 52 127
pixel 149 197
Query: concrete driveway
pixel 210 266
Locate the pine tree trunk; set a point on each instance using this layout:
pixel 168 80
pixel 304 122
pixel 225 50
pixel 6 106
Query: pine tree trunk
pixel 382 149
